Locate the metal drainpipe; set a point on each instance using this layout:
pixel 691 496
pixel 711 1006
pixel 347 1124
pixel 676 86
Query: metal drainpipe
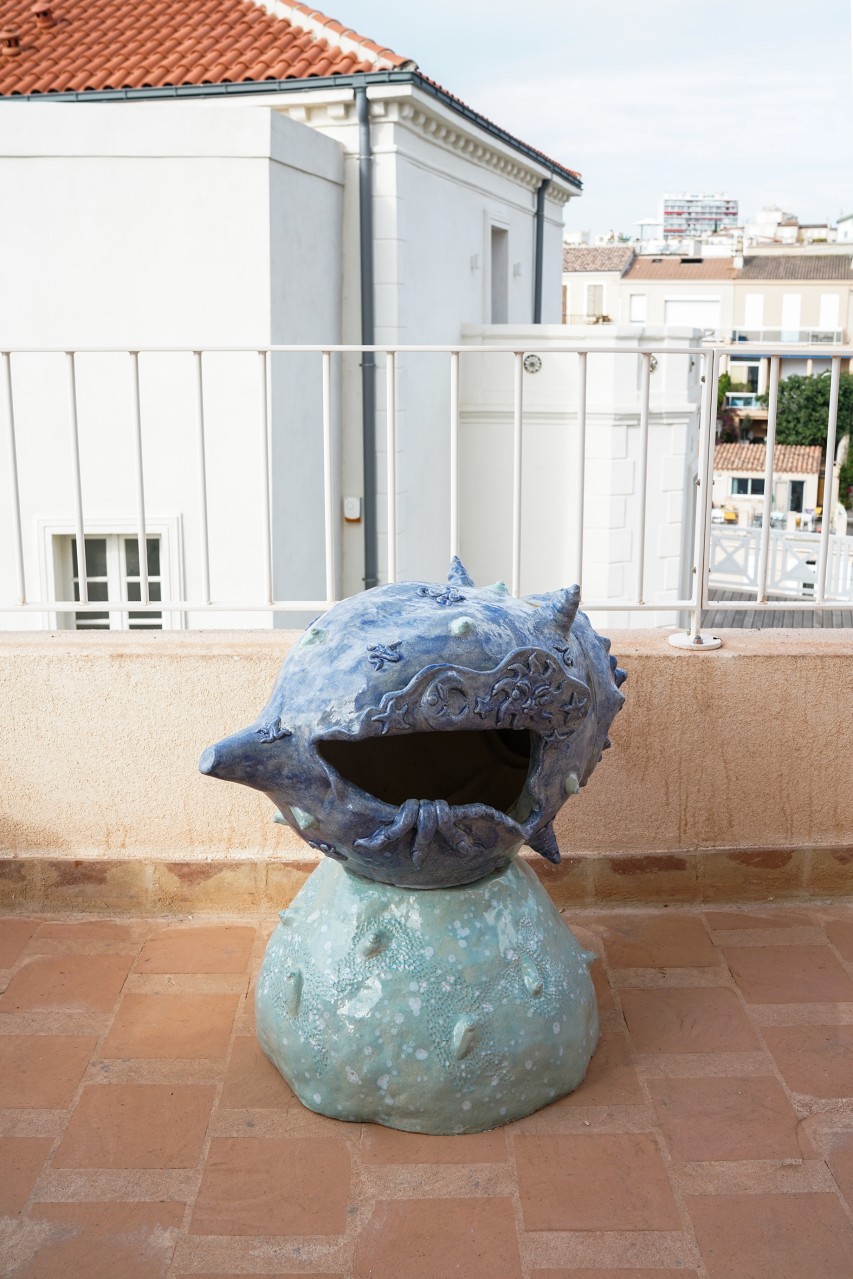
pixel 538 250
pixel 368 359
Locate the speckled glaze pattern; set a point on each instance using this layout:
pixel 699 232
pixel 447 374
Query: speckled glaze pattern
pixel 450 1011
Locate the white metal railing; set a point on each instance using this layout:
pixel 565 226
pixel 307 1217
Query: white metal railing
pixel 829 588
pixel 790 337
pixel 792 562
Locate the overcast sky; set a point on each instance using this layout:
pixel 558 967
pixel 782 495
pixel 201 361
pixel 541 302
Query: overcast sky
pixel 750 97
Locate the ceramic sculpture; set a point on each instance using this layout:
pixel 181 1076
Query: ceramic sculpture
pixel 418 736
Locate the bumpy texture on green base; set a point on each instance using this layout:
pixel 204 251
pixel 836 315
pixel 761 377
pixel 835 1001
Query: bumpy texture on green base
pixel 449 1011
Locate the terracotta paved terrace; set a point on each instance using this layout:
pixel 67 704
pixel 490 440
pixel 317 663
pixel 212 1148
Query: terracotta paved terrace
pixel 145 1136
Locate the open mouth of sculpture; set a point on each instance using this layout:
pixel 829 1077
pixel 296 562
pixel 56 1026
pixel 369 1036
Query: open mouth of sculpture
pixel 488 767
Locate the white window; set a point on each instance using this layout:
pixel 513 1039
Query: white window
pixel 791 317
pixel 753 311
pixel 744 484
pixel 500 275
pixel 692 313
pixel 112 573
pixel 828 311
pixel 637 308
pixel 594 301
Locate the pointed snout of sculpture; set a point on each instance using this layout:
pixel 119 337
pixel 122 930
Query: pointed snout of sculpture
pixel 243 757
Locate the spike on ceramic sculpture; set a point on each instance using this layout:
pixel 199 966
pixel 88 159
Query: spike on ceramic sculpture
pixel 561 608
pixel 544 842
pixel 619 675
pixel 459 575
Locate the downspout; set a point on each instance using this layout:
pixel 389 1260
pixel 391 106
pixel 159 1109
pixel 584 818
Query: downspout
pixel 538 253
pixel 368 358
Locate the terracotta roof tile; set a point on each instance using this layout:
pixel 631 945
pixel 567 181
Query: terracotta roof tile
pixel 789 459
pixel 798 266
pixel 670 267
pixel 604 257
pixel 99 43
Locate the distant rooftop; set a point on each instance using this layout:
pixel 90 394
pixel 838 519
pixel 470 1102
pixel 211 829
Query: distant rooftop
pixel 796 266
pixel 670 267
pixel 605 257
pixel 788 459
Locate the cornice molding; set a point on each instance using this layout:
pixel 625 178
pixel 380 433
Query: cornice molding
pixel 404 105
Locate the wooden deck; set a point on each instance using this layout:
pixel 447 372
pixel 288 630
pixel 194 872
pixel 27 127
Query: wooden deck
pixel 721 617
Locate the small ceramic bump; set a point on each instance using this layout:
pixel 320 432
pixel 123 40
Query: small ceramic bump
pixel 530 977
pixel 462 626
pixel 372 945
pixel 572 784
pixel 589 957
pixel 314 635
pixel 280 819
pixel 293 991
pixel 500 588
pixel 304 820
pixel 464 1037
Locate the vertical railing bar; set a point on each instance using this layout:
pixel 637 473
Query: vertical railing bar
pixel 265 476
pixel 829 466
pixel 645 392
pixel 13 480
pixel 581 468
pixel 141 537
pixel 391 459
pixel 763 553
pixel 454 453
pixel 707 494
pixel 518 407
pixel 80 534
pixel 328 493
pixel 703 482
pixel 202 479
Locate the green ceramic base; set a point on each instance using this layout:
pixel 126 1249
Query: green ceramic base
pixel 447 1011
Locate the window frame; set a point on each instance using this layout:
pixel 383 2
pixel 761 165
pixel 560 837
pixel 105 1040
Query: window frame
pixel 56 578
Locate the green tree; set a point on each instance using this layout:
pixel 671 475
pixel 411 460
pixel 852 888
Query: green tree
pixel 803 409
pixel 723 386
pixel 803 413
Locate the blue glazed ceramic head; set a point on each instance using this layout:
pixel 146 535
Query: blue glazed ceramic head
pixel 421 734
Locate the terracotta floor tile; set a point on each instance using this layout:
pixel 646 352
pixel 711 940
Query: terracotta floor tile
pixel 687 1020
pixel 177 1026
pixel 137 1126
pixel 726 920
pixel 14 935
pixel 613 1274
pixel 72 930
pixel 21 1161
pixel 816 1061
pixel 92 982
pixel 789 974
pixel 388 1146
pixel 839 1156
pixel 428 1238
pixel 105 1241
pixel 594 1181
pixel 278 1274
pixel 252 1082
pixel 840 933
pixel 655 941
pixel 210 949
pixel 772 1236
pixel 42 1071
pixel 611 1079
pixel 273 1186
pixel 726 1118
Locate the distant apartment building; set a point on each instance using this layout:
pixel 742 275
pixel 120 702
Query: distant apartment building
pixel 696 215
pixel 794 296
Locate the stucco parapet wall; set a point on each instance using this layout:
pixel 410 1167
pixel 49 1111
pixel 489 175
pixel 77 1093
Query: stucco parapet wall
pixel 736 760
